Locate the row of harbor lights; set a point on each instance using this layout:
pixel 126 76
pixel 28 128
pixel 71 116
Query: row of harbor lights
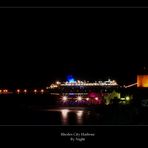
pixel 4 91
pixel 25 91
pixel 79 98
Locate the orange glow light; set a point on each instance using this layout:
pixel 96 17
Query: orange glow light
pixel 5 90
pixel 142 81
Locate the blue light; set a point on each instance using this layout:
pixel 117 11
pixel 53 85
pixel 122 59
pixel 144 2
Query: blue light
pixel 70 79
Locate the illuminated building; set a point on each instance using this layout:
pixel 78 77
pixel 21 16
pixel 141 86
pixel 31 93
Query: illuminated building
pixel 142 80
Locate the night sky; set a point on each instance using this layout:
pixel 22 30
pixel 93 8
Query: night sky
pixel 74 3
pixel 41 46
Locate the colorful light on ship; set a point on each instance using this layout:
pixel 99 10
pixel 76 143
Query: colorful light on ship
pixel 71 79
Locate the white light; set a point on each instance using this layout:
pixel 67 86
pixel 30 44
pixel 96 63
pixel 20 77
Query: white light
pixel 42 90
pixel 18 90
pixel 64 98
pixel 64 115
pixel 122 98
pixel 127 98
pixel 79 98
pixel 64 112
pixel 53 86
pixel 84 83
pixel 96 98
pixel 87 99
pixel 58 83
pixel 79 114
pixel 79 117
pixel 35 90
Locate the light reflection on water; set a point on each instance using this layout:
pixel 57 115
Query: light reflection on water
pixel 64 116
pixel 65 113
pixel 80 117
pixel 69 115
pixel 73 114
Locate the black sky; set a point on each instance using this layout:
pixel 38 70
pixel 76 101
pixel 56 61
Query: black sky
pixel 45 3
pixel 39 46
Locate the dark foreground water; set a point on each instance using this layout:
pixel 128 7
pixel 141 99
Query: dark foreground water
pixel 44 110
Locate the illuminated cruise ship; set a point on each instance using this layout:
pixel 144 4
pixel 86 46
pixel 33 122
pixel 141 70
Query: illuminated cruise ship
pixel 81 86
pixel 78 92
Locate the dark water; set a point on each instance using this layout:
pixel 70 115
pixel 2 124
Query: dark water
pixel 44 110
pixel 73 115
